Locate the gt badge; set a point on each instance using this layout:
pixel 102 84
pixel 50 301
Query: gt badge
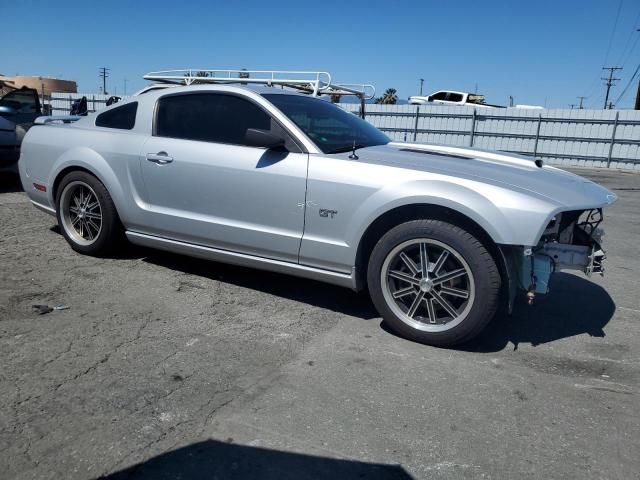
pixel 328 213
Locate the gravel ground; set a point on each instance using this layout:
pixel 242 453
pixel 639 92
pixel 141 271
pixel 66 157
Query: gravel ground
pixel 170 367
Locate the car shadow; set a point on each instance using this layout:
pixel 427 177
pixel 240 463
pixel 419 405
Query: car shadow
pixel 302 290
pixel 271 157
pixel 225 460
pixel 10 182
pixel 574 306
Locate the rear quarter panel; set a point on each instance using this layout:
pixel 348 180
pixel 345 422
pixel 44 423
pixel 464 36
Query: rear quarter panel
pixel 112 156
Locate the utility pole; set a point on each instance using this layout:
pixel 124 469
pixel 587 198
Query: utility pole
pixel 104 73
pixel 421 83
pixel 609 82
pixel 572 105
pixel 637 107
pixel 581 100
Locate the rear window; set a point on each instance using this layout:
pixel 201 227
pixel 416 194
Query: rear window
pixel 123 117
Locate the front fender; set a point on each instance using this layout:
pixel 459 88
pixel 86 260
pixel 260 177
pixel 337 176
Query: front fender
pixel 508 217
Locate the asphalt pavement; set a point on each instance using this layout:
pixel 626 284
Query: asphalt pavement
pixel 169 367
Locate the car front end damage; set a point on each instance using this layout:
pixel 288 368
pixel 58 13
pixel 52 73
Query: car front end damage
pixel 571 242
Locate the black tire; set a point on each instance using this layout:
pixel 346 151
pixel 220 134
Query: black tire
pixel 104 240
pixel 480 282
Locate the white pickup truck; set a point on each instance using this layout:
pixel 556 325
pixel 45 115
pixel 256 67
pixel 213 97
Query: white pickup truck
pixel 450 97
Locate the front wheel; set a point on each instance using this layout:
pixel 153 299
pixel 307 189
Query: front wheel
pixel 433 282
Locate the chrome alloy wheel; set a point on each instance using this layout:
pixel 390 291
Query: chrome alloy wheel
pixel 81 213
pixel 427 284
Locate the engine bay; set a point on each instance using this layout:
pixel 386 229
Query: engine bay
pixel 571 241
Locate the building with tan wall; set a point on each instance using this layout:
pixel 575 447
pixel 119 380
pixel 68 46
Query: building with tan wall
pixel 44 85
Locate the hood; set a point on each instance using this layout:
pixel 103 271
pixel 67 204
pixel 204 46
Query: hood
pixel 497 168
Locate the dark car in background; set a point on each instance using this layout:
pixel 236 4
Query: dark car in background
pixel 18 110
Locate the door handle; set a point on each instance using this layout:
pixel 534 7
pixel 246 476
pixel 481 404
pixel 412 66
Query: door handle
pixel 161 158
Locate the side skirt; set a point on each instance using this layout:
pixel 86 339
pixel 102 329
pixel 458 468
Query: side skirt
pixel 224 256
pixel 44 208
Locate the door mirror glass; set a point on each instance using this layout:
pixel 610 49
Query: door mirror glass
pixel 256 137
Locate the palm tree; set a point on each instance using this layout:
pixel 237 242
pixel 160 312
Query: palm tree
pixel 243 74
pixel 197 74
pixel 389 97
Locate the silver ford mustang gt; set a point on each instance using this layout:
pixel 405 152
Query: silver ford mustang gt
pixel 440 236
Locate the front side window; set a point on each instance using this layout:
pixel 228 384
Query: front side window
pixel 331 128
pixel 209 117
pixel 122 118
pixel 22 101
pixel 454 97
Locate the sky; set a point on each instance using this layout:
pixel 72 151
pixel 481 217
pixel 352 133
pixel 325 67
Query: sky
pixel 540 52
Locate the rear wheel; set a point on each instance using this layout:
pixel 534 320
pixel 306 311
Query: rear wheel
pixel 86 214
pixel 433 282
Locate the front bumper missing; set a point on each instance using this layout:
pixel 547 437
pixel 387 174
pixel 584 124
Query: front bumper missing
pixel 537 264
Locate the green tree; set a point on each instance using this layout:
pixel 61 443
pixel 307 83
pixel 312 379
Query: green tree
pixel 243 74
pixel 389 97
pixel 197 74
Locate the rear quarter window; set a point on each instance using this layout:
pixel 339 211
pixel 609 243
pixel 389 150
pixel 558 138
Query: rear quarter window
pixel 122 117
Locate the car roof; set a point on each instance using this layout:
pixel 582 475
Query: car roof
pixel 159 89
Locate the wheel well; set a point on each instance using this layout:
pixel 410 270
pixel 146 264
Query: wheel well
pixel 62 174
pixel 406 213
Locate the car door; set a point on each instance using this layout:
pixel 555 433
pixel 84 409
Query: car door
pixel 206 186
pixel 25 104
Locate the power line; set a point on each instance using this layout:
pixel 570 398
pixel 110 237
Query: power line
pixel 609 83
pixel 633 47
pixel 633 77
pixel 594 85
pixel 634 29
pixel 613 32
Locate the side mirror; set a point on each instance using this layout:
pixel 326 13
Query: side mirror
pixel 256 137
pixel 8 111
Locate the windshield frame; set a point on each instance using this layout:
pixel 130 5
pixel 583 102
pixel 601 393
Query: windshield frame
pixel 372 135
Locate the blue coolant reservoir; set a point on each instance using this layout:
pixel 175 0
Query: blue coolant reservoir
pixel 542 266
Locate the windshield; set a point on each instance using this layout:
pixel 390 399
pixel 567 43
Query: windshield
pixel 332 129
